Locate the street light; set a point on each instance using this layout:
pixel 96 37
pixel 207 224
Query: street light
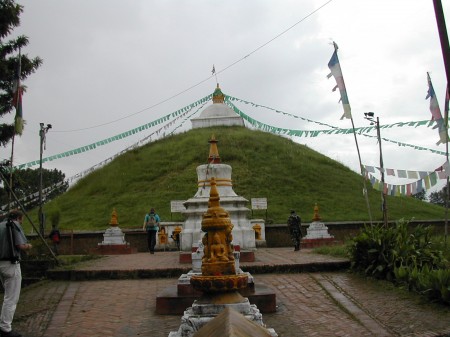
pixel 42 132
pixel 370 116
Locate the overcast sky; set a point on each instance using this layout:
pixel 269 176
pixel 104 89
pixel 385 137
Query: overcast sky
pixel 110 66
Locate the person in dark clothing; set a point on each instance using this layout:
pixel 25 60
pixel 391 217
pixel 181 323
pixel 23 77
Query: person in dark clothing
pixel 55 236
pixel 294 223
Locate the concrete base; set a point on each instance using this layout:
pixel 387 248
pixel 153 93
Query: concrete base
pixel 261 243
pixel 246 256
pixel 174 300
pixel 205 309
pixel 113 250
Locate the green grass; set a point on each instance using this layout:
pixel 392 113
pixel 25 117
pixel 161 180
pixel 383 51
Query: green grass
pixel 289 175
pixel 340 250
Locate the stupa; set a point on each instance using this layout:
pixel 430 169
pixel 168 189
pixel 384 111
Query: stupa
pixel 219 280
pixel 113 240
pixel 316 233
pixel 243 233
pixel 217 114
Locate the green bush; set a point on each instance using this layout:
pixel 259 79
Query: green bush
pixel 406 256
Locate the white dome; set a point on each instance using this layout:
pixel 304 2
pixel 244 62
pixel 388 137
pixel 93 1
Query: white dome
pixel 217 110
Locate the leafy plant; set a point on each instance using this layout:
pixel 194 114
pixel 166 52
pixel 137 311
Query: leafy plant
pixel 404 255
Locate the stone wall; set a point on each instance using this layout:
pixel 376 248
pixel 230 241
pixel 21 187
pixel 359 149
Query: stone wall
pixel 277 235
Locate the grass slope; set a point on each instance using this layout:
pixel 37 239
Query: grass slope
pixel 289 175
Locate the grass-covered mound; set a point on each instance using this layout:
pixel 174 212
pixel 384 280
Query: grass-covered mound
pixel 289 175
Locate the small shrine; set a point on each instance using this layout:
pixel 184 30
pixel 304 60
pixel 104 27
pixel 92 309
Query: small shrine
pixel 219 281
pixel 317 233
pixel 113 240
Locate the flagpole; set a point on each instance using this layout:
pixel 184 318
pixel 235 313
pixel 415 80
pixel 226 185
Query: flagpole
pixel 445 47
pixel 347 114
pixel 19 72
pixel 362 173
pixel 213 71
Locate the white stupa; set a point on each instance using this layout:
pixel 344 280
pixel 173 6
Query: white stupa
pixel 243 233
pixel 217 114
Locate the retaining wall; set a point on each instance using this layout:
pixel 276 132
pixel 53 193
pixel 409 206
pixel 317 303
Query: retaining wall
pixel 276 236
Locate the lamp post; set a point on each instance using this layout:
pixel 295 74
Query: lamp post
pixel 42 132
pixel 370 116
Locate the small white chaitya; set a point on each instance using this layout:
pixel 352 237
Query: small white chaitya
pixel 317 229
pixel 113 235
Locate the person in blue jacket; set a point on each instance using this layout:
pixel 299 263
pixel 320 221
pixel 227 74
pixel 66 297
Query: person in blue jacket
pixel 151 226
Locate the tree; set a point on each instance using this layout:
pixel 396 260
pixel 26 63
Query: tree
pixel 26 186
pixel 439 197
pixel 9 63
pixel 422 195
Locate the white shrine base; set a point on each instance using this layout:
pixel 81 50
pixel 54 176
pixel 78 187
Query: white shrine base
pixel 113 243
pixel 317 235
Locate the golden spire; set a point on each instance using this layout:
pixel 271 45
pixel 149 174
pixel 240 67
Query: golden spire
pixel 316 213
pixel 214 157
pixel 113 221
pixel 218 96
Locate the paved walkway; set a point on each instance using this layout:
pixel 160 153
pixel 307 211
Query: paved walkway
pixel 320 303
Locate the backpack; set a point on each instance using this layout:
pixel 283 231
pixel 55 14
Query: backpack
pixel 151 223
pixel 55 237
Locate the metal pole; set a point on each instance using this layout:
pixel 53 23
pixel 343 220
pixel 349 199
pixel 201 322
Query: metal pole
pixel 366 195
pixel 383 192
pixel 445 47
pixel 41 222
pixel 42 132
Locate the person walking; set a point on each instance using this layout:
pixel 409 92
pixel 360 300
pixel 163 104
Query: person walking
pixel 12 242
pixel 55 236
pixel 151 226
pixel 294 225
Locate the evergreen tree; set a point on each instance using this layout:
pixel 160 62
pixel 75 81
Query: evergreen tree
pixel 422 195
pixel 26 186
pixel 9 63
pixel 439 197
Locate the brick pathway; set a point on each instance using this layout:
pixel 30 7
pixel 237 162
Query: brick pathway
pixel 309 304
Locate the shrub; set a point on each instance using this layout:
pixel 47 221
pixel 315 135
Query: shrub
pixel 406 256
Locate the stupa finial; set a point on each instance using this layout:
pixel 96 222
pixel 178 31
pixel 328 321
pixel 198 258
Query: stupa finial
pixel 214 157
pixel 113 221
pixel 218 96
pixel 316 213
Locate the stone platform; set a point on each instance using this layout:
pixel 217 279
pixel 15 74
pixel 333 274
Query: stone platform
pixel 174 300
pixel 245 256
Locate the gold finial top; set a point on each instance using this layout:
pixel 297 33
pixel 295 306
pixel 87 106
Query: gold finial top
pixel 214 157
pixel 113 221
pixel 218 96
pixel 316 213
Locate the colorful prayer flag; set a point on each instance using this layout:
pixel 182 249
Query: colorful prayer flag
pixel 436 113
pixel 17 99
pixel 336 72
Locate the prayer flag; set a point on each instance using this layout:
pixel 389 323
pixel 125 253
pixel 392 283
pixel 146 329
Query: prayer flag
pixel 213 71
pixel 436 113
pixel 390 172
pixel 336 72
pixel 17 99
pixel 402 174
